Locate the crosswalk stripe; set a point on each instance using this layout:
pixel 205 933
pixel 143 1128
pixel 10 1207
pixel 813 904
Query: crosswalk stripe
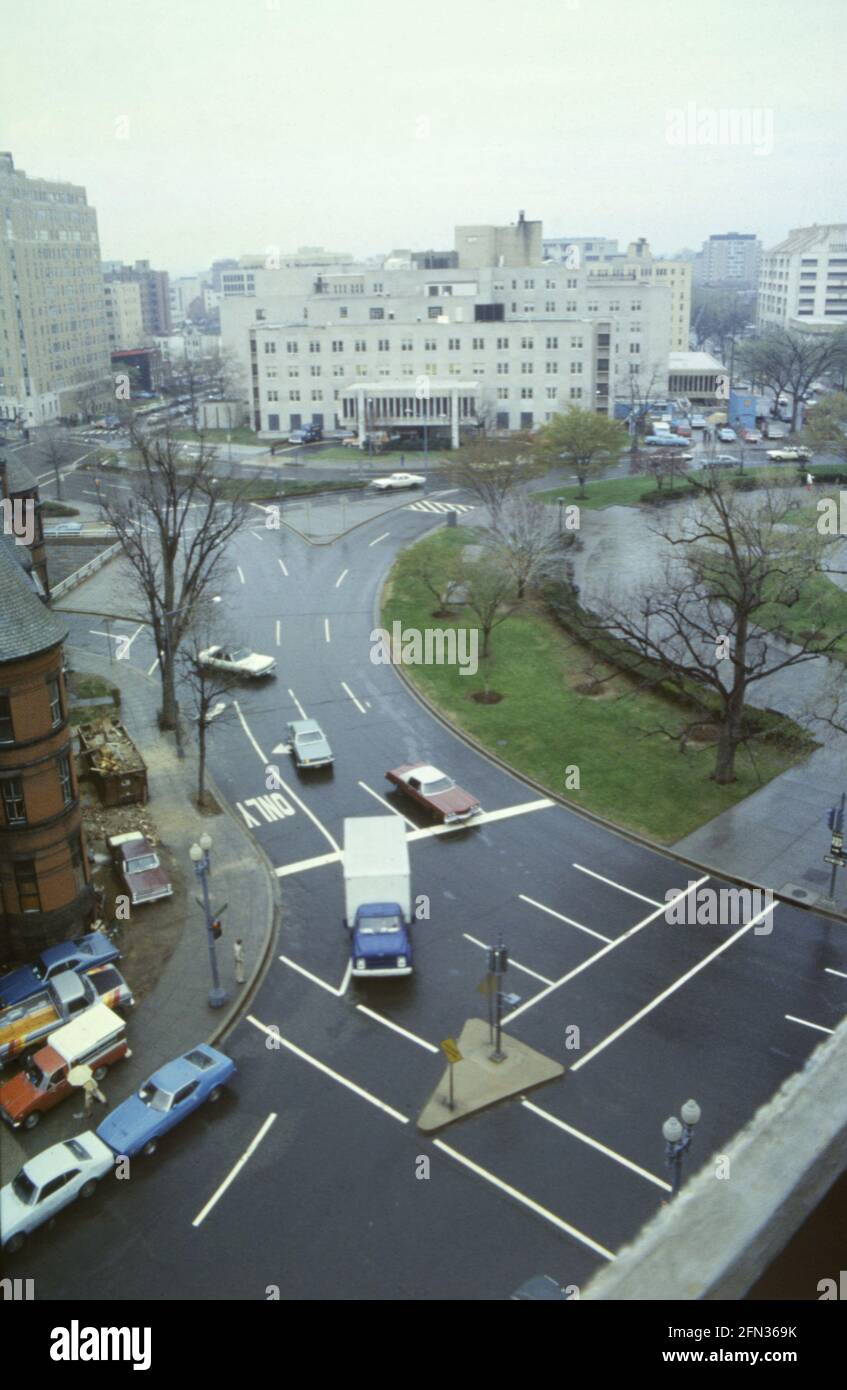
pixel 440 507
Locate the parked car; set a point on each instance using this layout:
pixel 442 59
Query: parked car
pixel 48 1183
pixel 722 461
pixel 698 422
pixel 794 455
pixel 775 431
pixel 239 661
pixel 309 434
pixel 309 744
pixel 171 1093
pixel 137 865
pixel 751 436
pixel 80 955
pixel 95 1040
pixel 398 480
pixel 727 435
pixel 667 441
pixel 434 790
pixel 64 998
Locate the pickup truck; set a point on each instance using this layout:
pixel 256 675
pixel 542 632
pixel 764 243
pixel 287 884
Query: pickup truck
pixel 377 896
pixel 95 1040
pixel 81 955
pixel 66 997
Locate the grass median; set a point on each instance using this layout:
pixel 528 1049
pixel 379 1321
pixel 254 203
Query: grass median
pixel 547 724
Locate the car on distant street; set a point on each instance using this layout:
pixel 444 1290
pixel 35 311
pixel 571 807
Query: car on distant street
pixel 239 661
pixel 170 1094
pixel 796 455
pixel 666 441
pixel 435 791
pixel 398 480
pixel 81 955
pixel 48 1183
pixel 698 422
pixel 309 434
pixel 721 461
pixel 63 528
pixel 751 436
pixel 137 864
pixel 727 435
pixel 309 744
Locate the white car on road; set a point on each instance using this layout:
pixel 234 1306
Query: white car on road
pixel 49 1182
pixel 398 480
pixel 240 661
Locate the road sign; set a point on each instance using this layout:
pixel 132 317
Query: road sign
pixel 837 842
pixel 450 1049
pixel 511 999
pixel 840 860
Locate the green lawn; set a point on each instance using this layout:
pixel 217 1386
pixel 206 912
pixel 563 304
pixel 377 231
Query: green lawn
pixel 602 492
pixel 822 605
pixel 544 726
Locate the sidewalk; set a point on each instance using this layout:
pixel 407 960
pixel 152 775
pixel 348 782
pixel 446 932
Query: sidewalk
pixel 175 1015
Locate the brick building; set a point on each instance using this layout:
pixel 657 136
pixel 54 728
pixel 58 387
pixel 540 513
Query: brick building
pixel 45 889
pixel 18 486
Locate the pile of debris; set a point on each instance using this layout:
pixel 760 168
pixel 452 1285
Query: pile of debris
pixel 101 822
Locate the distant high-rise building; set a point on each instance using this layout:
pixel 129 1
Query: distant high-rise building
pixel 54 346
pixel 124 320
pixel 729 259
pixel 803 280
pixel 154 290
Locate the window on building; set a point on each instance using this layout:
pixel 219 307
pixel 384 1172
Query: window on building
pixel 502 369
pixel 454 344
pixel 64 764
pixel 26 883
pixel 360 345
pixel 342 312
pixel 430 345
pixel 270 347
pixel 294 395
pixel 527 368
pixel 291 346
pixel 337 345
pixel 526 393
pixel 502 344
pixel 14 805
pixel 383 345
pixel 434 313
pixel 7 733
pixel 552 368
pixel 527 344
pixel 502 393
pixel 377 313
pixel 314 347
pixel 273 395
pixel 314 370
pixel 551 393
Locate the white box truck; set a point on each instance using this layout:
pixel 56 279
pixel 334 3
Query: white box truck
pixel 377 895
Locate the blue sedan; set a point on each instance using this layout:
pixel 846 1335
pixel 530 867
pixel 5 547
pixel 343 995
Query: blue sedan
pixel 82 955
pixel 137 1124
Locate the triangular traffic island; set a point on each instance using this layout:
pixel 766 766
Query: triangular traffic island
pixel 479 1082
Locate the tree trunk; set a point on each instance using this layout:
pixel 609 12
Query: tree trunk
pixel 731 722
pixel 167 717
pixel 201 766
pixel 581 480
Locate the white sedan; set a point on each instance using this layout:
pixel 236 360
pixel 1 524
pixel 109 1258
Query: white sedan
pixel 239 661
pixel 398 480
pixel 799 455
pixel 49 1182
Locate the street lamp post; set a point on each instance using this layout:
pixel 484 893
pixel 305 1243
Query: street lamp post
pixel 199 854
pixel 678 1138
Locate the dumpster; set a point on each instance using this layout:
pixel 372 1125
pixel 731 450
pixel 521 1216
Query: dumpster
pixel 113 762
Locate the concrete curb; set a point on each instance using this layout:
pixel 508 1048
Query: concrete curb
pixel 631 835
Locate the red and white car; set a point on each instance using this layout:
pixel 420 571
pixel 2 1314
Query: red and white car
pixel 137 864
pixel 436 791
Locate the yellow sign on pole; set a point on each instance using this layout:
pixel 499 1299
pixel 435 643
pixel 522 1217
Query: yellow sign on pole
pixel 450 1049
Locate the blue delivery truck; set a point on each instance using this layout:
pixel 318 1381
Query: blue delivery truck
pixel 377 896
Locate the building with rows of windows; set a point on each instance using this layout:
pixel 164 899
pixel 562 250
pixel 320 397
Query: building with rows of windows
pixel 464 344
pixel 45 888
pixel 803 281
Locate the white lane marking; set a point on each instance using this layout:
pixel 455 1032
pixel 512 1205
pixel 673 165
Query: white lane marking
pixel 484 818
pixel 671 989
pixel 125 642
pixel 303 864
pixel 563 918
pixel 376 796
pixel 341 578
pixel 383 537
pixel 260 506
pixel 283 786
pixel 277 631
pixel 526 1201
pixel 256 534
pixel 316 980
pixel 620 886
pixel 281 564
pixel 244 726
pixel 233 1173
pixel 819 1028
pixel 595 1144
pixel 839 973
pixel 328 1071
pixel 357 703
pixel 525 968
pixel 153 667
pixel 300 708
pixel 326 629
pixel 604 950
pixel 241 574
pixel 395 1027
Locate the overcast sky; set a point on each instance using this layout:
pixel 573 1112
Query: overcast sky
pixel 206 128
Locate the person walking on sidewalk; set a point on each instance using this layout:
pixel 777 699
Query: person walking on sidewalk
pixel 238 957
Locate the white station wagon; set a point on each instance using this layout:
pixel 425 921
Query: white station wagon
pixel 48 1183
pixel 239 662
pixel 398 480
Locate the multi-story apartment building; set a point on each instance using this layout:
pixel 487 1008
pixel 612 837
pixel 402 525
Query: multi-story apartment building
pixel 730 260
pixel 45 887
pixel 124 320
pixel 510 345
pixel 153 286
pixel 54 348
pixel 803 280
pixel 600 257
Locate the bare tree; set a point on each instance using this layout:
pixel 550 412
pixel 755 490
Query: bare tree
pixel 662 465
pixel 174 564
pixel 826 425
pixel 525 538
pixel 784 360
pixel 490 469
pixel 52 447
pixel 489 591
pixel 736 567
pixel 205 685
pixel 438 572
pixel 641 397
